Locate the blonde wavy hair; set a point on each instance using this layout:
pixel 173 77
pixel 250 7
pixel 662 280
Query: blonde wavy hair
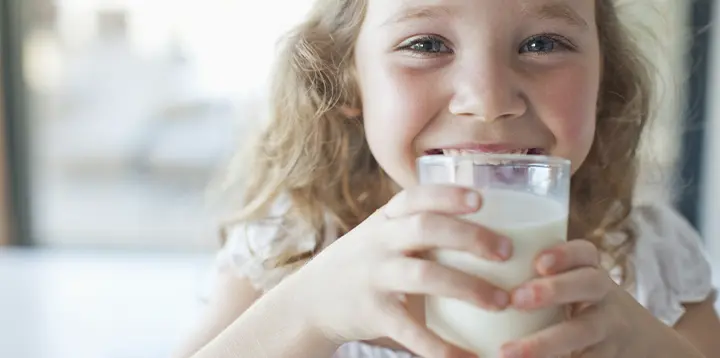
pixel 313 153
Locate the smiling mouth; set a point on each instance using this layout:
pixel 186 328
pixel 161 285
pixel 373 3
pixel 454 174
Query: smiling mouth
pixel 457 152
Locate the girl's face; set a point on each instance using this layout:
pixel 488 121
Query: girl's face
pixel 477 75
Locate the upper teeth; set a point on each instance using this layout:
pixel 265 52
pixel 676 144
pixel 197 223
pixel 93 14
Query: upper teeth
pixel 454 152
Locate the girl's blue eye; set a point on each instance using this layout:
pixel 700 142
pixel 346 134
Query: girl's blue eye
pixel 541 45
pixel 427 46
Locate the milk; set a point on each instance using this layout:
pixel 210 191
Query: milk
pixel 533 223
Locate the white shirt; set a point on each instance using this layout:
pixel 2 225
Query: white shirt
pixel 670 265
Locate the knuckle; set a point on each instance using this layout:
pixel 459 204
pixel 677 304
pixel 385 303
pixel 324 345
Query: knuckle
pixel 422 271
pixel 455 196
pixel 552 289
pixel 399 330
pixel 415 191
pixel 485 300
pixel 591 330
pixel 585 245
pixel 398 204
pixel 477 287
pixel 376 275
pixel 485 240
pixel 479 235
pixel 479 290
pixel 534 347
pixel 422 223
pixel 395 324
pixel 595 332
pixel 404 196
pixel 421 194
pixel 605 282
pixel 445 351
pixel 589 251
pixel 441 350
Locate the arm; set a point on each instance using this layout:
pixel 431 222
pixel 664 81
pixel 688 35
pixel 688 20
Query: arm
pixel 676 264
pixel 230 297
pixel 694 336
pixel 238 323
pixel 700 327
pixel 270 328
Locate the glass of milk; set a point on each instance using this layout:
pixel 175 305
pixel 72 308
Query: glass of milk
pixel 526 198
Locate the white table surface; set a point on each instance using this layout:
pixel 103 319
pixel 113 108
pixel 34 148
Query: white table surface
pixel 66 304
pixel 69 304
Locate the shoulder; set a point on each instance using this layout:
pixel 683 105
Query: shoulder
pixel 670 262
pixel 254 250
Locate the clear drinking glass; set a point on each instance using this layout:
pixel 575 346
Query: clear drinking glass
pixel 525 198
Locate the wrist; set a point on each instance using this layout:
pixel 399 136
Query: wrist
pixel 296 309
pixel 273 327
pixel 657 340
pixel 670 344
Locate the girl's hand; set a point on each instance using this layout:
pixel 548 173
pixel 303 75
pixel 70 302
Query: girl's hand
pixel 603 315
pixel 356 288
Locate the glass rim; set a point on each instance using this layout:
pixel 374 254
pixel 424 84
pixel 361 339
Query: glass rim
pixel 489 158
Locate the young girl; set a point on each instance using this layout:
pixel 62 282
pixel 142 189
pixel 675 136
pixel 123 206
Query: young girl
pixel 363 88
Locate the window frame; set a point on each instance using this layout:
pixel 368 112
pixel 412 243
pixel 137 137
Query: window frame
pixel 15 205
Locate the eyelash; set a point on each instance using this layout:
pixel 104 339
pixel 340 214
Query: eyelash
pixel 407 46
pixel 557 40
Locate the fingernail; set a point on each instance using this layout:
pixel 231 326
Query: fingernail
pixel 504 249
pixel 546 262
pixel 512 351
pixel 523 297
pixel 472 200
pixel 502 299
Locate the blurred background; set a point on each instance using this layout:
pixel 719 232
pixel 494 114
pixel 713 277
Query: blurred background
pixel 116 116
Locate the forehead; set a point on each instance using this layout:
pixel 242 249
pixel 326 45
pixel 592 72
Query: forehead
pixel 387 13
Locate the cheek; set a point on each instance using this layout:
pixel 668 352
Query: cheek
pixel 572 116
pixel 396 108
pixel 574 120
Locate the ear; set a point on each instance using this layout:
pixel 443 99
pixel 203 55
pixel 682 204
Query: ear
pixel 350 112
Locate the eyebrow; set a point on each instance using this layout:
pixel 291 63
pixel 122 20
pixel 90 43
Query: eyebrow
pixel 557 11
pixel 418 13
pixel 548 11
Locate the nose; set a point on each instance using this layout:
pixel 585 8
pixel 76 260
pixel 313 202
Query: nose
pixel 487 90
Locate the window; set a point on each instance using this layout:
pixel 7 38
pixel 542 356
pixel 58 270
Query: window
pixel 133 106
